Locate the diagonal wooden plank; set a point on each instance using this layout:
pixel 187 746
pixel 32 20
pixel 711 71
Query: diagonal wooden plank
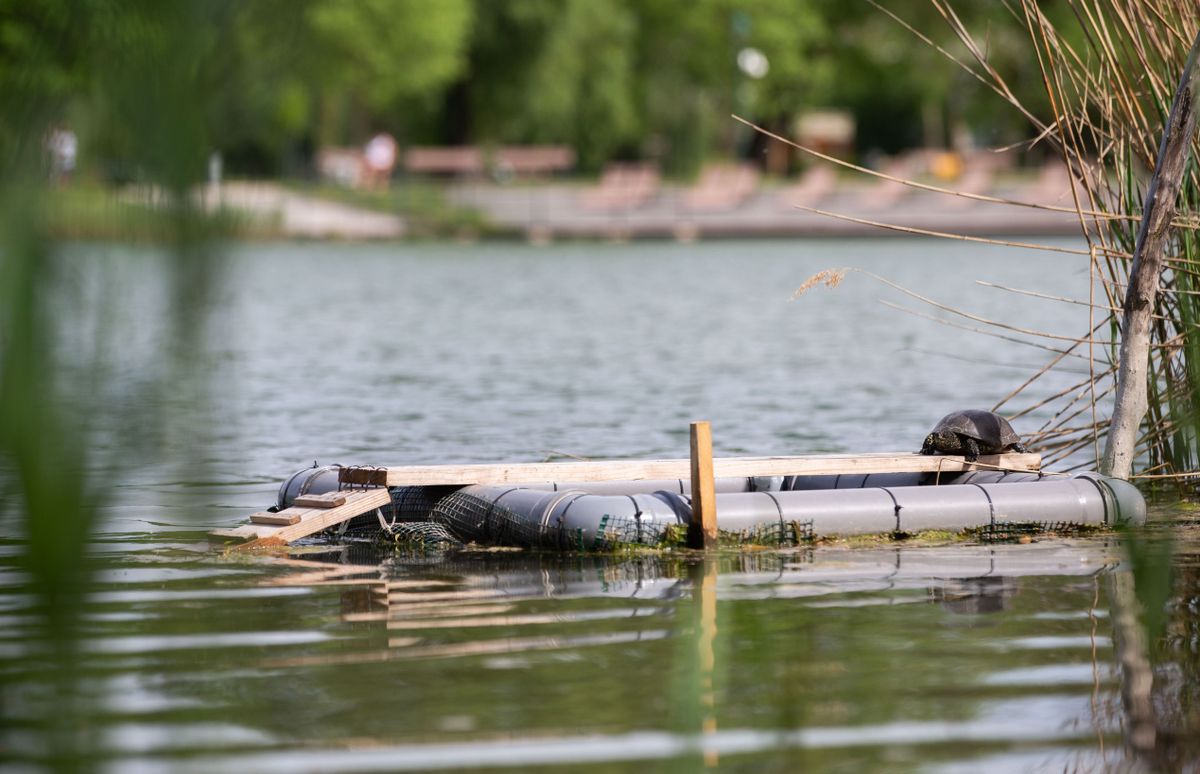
pixel 311 520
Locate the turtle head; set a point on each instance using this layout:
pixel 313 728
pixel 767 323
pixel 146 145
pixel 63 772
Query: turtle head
pixel 945 441
pixel 932 444
pixel 941 440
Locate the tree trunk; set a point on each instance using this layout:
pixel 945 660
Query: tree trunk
pixel 1140 296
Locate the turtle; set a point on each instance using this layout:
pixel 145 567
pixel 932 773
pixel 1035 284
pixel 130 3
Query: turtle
pixel 972 432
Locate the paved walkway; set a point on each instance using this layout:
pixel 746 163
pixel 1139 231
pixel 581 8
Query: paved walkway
pixel 561 210
pixel 306 217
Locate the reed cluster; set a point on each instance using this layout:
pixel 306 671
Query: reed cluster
pixel 1109 69
pixel 1110 75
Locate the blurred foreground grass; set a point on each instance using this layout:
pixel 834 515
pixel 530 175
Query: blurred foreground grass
pixel 87 211
pixel 90 212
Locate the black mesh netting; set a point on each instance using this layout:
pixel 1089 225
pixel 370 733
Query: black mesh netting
pixel 474 519
pixel 407 519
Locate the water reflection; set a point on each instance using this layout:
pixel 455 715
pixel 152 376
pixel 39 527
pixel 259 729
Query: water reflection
pixel 987 594
pixel 461 591
pixel 523 612
pixel 455 577
pixel 350 659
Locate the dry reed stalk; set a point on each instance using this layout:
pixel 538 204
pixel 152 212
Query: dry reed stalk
pixel 983 331
pixel 1077 388
pixel 940 234
pixel 946 307
pixel 1047 297
pixel 831 278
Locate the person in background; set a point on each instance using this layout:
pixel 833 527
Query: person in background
pixel 379 157
pixel 63 147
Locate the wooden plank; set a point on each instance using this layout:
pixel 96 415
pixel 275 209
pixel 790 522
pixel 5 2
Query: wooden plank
pixel 280 519
pixel 702 533
pixel 326 500
pixel 728 467
pixel 312 520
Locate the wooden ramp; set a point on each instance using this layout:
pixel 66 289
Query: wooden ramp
pixel 277 529
pixel 312 514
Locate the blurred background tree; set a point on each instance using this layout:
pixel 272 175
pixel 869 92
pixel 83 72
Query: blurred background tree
pixel 137 80
pixel 614 79
pixel 543 71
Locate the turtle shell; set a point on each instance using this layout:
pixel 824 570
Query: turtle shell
pixel 990 429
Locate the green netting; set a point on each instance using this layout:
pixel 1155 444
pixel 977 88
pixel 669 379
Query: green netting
pixel 1012 532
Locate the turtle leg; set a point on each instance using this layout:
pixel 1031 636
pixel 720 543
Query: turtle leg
pixel 928 447
pixel 1019 448
pixel 970 448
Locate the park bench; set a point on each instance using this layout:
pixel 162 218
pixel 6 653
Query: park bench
pixel 622 186
pixel 505 161
pixel 721 187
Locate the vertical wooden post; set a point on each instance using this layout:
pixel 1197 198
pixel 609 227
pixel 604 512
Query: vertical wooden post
pixel 703 530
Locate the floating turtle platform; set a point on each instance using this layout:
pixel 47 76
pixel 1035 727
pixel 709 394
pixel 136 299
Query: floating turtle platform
pixel 602 504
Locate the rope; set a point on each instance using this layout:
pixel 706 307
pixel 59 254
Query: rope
pixel 991 505
pixel 895 504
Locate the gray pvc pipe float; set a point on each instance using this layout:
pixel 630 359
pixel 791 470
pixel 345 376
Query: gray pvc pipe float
pixel 1087 499
pixel 314 480
pixel 867 480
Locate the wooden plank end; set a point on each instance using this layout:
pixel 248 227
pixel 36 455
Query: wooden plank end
pixel 326 500
pixel 260 544
pixel 284 518
pixel 230 533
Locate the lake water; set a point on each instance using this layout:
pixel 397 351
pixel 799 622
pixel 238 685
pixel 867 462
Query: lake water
pixel 353 658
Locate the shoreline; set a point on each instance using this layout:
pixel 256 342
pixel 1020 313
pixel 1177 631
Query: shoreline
pixel 419 211
pixel 554 212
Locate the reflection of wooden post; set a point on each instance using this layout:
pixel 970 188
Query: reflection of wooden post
pixel 694 700
pixel 703 530
pixel 1137 675
pixel 707 653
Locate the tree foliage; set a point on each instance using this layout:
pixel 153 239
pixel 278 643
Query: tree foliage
pixel 544 71
pixel 382 50
pixel 274 79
